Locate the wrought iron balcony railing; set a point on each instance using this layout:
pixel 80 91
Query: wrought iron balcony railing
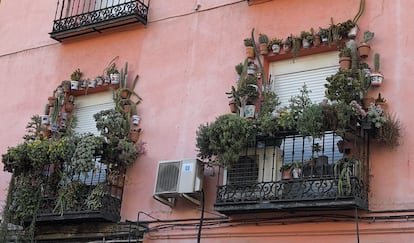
pixel 96 195
pixel 322 173
pixel 74 18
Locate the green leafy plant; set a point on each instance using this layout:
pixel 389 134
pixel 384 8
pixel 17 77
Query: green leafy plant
pixel 83 159
pixel 368 35
pixel 345 52
pixel 267 120
pixel 376 116
pixel 69 196
pixel 25 200
pixel 127 152
pixel 130 89
pixel 263 39
pixel 323 32
pixel 310 121
pixel 239 68
pixel 111 69
pixel 94 199
pixel 288 43
pixel 390 132
pixel 61 150
pixel 299 103
pixel 76 75
pixel 248 89
pixel 344 170
pixel 344 86
pixel 112 124
pixel 380 99
pixel 345 27
pixel 221 141
pixel 306 35
pixel 248 42
pixel 376 62
pixel 274 41
pixel 38 153
pixel 286 167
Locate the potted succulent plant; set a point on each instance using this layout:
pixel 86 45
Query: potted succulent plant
pixel 66 86
pixel 248 43
pixel 344 86
pixel 307 39
pixel 263 43
pixel 380 101
pixel 364 48
pixel 344 170
pixel 310 121
pixel 376 76
pixel 69 104
pixel 75 78
pixel 221 141
pixel 324 34
pixel 113 74
pixel 390 132
pixel 274 45
pixel 288 44
pixel 286 171
pixel 345 58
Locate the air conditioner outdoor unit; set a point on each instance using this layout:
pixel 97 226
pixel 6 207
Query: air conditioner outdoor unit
pixel 176 178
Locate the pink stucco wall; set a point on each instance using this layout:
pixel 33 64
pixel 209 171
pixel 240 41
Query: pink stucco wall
pixel 185 60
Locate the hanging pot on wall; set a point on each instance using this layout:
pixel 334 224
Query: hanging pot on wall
pixel 249 111
pixel 134 134
pixel 376 79
pixel 363 50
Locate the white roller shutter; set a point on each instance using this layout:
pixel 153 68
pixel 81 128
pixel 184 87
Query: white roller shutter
pixel 88 105
pixel 85 107
pixel 287 77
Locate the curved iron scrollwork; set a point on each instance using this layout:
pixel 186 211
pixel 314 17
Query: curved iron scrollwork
pixel 298 190
pixel 91 16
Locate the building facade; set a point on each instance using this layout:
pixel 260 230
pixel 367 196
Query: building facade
pixel 182 185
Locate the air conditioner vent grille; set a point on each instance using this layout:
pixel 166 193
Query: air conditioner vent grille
pixel 168 175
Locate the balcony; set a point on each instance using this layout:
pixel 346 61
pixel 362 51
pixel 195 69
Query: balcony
pixel 322 175
pixel 77 18
pixel 94 196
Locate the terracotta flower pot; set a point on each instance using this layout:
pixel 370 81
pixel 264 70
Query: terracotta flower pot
pixel 134 135
pixel 363 50
pixel 317 40
pixel 263 49
pixel 286 174
pixel 51 101
pixel 344 63
pixel 127 108
pixel 124 94
pixel 366 102
pixel 66 87
pixel 250 52
pixel 233 107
